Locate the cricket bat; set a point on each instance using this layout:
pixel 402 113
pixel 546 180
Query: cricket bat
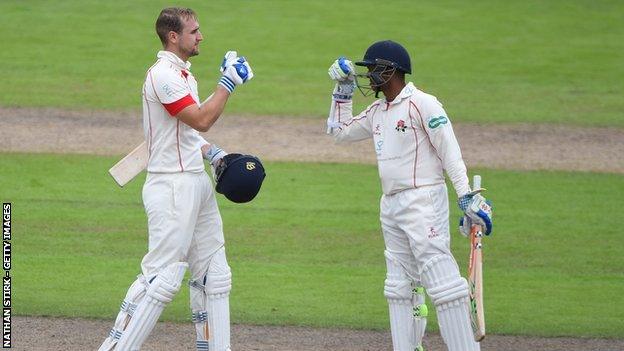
pixel 475 276
pixel 130 166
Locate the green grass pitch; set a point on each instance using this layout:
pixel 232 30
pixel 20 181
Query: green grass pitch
pixel 553 266
pixel 488 61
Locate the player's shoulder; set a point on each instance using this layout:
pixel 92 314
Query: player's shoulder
pixel 164 70
pixel 373 106
pixel 423 99
pixel 375 103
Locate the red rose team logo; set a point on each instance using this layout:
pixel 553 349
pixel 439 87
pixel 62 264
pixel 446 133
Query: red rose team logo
pixel 401 126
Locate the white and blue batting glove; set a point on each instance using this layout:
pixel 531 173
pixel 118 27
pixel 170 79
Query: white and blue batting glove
pixel 341 70
pixel 236 71
pixel 228 59
pixel 477 209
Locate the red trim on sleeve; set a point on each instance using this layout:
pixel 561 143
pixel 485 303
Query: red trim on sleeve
pixel 177 106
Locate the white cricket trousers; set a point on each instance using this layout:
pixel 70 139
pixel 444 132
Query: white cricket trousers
pixel 415 225
pixel 183 220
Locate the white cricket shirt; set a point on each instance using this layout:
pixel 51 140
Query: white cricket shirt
pixel 412 136
pixel 170 87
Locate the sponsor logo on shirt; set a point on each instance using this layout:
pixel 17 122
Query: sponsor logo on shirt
pixel 401 127
pixel 435 122
pixel 167 90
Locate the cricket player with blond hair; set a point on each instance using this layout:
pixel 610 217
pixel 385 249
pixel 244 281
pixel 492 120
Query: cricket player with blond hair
pixel 184 223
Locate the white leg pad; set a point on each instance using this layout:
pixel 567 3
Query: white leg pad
pixel 162 289
pixel 134 296
pixel 449 293
pixel 407 331
pixel 210 305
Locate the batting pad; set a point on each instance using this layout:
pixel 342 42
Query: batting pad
pixel 210 303
pixel 160 292
pixel 134 296
pixel 407 331
pixel 449 292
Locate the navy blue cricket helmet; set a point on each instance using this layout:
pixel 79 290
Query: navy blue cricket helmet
pixel 383 59
pixel 239 177
pixel 389 53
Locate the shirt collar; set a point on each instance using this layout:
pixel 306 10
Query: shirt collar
pixel 406 92
pixel 173 58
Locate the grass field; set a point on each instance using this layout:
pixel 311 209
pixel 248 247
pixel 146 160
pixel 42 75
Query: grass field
pixel 308 250
pixel 488 61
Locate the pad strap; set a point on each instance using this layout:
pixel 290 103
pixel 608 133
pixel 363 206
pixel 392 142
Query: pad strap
pixel 199 316
pixel 128 307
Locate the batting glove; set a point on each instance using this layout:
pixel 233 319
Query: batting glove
pixel 343 91
pixel 478 210
pixel 342 70
pixel 236 71
pixel 465 224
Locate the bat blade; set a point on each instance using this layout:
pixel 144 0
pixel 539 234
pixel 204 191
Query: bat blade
pixel 130 166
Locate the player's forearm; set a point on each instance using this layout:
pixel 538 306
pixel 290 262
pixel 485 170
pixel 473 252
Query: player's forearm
pixel 453 163
pixel 339 114
pixel 456 170
pixel 340 123
pixel 212 108
pixel 344 126
pixel 202 117
pixel 350 132
pixel 447 149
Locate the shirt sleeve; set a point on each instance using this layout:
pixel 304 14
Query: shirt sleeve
pixel 345 127
pixel 438 127
pixel 172 90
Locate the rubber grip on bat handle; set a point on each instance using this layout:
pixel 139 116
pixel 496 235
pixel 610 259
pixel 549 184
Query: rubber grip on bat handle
pixel 476 182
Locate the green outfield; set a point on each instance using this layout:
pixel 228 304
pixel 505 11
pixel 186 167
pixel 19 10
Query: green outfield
pixel 488 61
pixel 308 250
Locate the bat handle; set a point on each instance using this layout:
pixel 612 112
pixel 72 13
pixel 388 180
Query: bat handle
pixel 476 182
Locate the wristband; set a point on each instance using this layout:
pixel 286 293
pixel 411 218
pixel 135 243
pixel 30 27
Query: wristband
pixel 227 83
